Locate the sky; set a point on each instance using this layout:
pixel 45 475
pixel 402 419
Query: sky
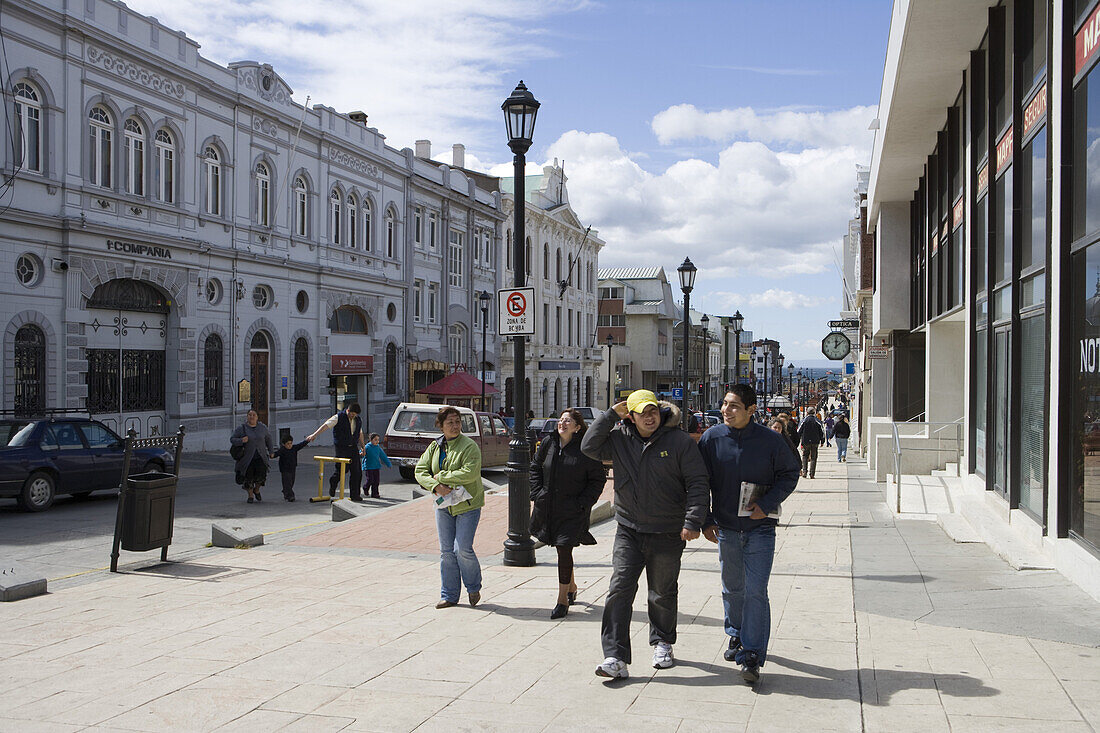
pixel 725 131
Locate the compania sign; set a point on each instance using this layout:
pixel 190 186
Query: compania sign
pixel 142 250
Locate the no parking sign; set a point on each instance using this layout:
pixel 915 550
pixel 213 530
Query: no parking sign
pixel 517 312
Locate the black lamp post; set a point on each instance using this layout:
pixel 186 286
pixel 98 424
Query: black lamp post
pixel 790 383
pixel 687 281
pixel 737 322
pixel 610 343
pixel 484 297
pixel 765 376
pixel 705 323
pixel 520 110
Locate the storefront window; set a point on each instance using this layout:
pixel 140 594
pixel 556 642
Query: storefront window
pixel 1086 156
pixel 1032 423
pixel 1034 57
pixel 981 359
pixel 1085 496
pixel 1002 234
pixel 1033 207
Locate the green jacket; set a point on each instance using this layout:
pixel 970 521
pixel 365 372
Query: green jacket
pixel 461 467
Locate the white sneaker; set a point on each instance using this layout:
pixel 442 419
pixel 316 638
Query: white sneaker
pixel 613 668
pixel 662 656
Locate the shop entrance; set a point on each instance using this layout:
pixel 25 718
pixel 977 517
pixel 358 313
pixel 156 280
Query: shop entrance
pixel 259 357
pixel 1000 413
pixel 126 327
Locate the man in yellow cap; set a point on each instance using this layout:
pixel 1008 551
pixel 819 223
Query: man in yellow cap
pixel 662 494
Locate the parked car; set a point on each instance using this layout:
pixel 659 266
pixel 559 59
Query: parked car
pixel 412 427
pixel 538 428
pixel 42 458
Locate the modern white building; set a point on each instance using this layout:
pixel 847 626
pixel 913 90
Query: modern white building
pixel 185 242
pixel 984 205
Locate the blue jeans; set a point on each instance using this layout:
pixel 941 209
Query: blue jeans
pixel 841 449
pixel 457 560
pixel 746 560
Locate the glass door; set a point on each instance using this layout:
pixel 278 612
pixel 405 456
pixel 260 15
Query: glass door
pixel 999 409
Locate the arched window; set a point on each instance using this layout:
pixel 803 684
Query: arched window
pixel 368 219
pixel 546 260
pixel 263 194
pixel 133 137
pixel 166 166
pixel 391 369
pixel 508 246
pixel 212 169
pixel 28 124
pixel 99 147
pixel 456 343
pixel 301 369
pixel 30 371
pixel 348 319
pixel 301 207
pixel 569 272
pixel 212 359
pixel 334 216
pixel 557 266
pixel 527 260
pixel 391 234
pixel 353 221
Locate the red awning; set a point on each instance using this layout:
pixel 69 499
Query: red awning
pixel 458 384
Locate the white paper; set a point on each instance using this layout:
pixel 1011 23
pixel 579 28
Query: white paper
pixel 749 494
pixel 457 495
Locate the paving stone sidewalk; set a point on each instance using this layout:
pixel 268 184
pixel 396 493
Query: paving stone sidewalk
pixel 340 635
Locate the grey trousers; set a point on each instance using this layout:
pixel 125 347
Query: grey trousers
pixel 659 555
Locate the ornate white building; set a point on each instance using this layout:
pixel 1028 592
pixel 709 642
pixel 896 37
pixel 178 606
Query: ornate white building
pixel 184 241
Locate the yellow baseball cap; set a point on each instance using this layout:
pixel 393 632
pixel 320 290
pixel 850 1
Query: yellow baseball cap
pixel 639 398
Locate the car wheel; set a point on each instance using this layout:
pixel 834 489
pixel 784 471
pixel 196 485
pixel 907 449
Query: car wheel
pixel 39 491
pixel 407 472
pixel 152 466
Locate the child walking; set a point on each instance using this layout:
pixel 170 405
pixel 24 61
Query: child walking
pixel 288 464
pixel 373 458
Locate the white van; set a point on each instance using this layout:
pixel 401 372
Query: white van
pixel 412 428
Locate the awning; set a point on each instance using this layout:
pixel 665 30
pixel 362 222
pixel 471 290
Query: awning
pixel 458 384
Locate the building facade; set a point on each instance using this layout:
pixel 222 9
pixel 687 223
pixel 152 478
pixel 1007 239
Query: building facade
pixel 637 311
pixel 986 215
pixel 186 242
pixel 561 258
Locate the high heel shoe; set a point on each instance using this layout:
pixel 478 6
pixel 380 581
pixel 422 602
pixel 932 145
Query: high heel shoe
pixel 572 596
pixel 559 611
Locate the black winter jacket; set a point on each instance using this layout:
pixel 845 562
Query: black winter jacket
pixel 661 484
pixel 811 432
pixel 842 430
pixel 288 457
pixel 565 483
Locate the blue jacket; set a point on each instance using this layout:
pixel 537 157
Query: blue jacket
pixel 374 457
pixel 755 454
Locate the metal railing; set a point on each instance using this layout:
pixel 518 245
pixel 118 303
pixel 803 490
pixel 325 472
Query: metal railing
pixel 931 431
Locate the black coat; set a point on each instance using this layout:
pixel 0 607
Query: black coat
pixel 565 484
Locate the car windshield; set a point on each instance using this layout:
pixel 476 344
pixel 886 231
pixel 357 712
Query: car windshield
pixel 14 434
pixel 419 421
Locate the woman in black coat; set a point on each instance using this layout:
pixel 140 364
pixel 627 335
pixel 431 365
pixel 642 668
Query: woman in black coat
pixel 565 484
pixel 252 466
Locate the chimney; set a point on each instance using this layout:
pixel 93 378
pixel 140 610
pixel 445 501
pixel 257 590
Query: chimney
pixel 359 116
pixel 458 155
pixel 424 148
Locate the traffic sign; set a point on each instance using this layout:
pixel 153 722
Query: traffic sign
pixel 516 312
pixel 677 393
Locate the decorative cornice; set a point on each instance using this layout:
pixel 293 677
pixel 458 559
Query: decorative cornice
pixel 129 70
pixel 265 126
pixel 355 163
pixel 251 79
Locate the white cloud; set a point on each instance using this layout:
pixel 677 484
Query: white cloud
pixel 800 128
pixel 755 212
pixel 435 69
pixel 787 300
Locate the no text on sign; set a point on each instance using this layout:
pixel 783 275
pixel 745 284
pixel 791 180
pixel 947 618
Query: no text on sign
pixel 516 315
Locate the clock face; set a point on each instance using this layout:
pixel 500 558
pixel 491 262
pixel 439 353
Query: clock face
pixel 836 345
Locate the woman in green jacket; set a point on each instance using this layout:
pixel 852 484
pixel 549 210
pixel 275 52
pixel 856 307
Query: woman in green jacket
pixel 451 462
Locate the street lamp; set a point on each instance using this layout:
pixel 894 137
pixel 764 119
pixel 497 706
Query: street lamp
pixel 610 343
pixel 687 281
pixel 790 383
pixel 779 378
pixel 705 323
pixel 484 297
pixel 737 321
pixel 520 110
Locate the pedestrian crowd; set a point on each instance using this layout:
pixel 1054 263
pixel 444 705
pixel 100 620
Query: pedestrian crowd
pixel 727 485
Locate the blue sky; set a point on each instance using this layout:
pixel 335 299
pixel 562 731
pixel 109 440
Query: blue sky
pixel 725 131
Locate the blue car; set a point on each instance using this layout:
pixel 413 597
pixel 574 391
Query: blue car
pixel 40 459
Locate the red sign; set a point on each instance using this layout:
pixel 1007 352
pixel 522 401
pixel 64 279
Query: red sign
pixel 1004 150
pixel 517 304
pixel 957 214
pixel 1036 110
pixel 935 243
pixel 1086 41
pixel 352 364
pixel 983 178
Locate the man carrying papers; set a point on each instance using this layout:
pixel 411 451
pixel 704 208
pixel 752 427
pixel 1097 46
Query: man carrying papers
pixel 751 472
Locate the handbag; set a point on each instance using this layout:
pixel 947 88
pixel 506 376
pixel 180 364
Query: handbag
pixel 236 452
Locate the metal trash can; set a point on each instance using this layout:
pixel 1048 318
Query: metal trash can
pixel 148 505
